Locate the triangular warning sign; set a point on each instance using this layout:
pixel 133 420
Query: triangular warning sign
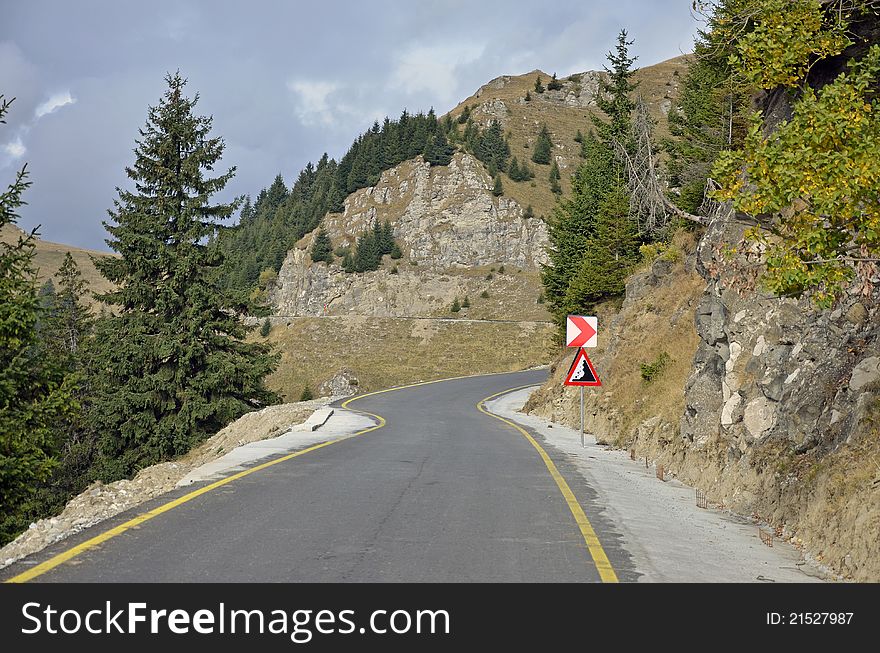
pixel 582 371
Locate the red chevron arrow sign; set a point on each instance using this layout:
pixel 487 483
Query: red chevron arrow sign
pixel 581 331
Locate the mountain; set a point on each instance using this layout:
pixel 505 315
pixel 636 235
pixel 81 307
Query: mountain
pixel 454 231
pixel 49 256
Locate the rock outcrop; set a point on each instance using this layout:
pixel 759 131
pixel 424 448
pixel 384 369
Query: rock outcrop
pixel 446 221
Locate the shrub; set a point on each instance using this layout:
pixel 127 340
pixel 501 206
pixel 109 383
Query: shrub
pixel 266 328
pixel 306 394
pixel 650 371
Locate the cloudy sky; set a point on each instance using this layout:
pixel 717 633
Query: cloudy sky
pixel 285 81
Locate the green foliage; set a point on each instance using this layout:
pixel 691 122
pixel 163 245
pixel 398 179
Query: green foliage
pixel 466 303
pixel 554 84
pixel 539 87
pixel 579 137
pixel 322 248
pixel 519 171
pixel 554 179
pixel 540 299
pixel 593 239
pixel 306 394
pixel 543 147
pixel 269 226
pixel 817 176
pixel 371 246
pixel 485 294
pixel 529 212
pixel 465 115
pixel 528 97
pixel 615 96
pixel 611 254
pixel 456 307
pixel 650 371
pixel 438 151
pixel 497 188
pixel 785 39
pixel 266 328
pixel 35 392
pixel 490 147
pixel 171 366
pixel 501 269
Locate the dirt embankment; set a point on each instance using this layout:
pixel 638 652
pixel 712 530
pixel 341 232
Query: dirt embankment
pixel 100 501
pixel 767 405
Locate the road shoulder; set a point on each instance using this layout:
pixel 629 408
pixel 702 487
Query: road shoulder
pixel 669 538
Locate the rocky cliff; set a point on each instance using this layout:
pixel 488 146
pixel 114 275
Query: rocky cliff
pixel 452 232
pixel 766 404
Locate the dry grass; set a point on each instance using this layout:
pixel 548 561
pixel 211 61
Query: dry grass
pixel 386 352
pixel 49 257
pixel 662 321
pixel 523 121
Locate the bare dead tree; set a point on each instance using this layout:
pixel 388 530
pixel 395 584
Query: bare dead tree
pixel 647 187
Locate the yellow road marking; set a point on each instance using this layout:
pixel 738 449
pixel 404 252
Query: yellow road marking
pixel 603 565
pixel 64 556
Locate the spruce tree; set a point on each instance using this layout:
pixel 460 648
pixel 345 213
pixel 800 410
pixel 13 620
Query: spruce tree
pixel 554 179
pixel 34 392
pixel 497 188
pixel 554 84
pixel 528 97
pixel 174 367
pixel 543 147
pixel 593 218
pixel 614 98
pixel 611 255
pixel 539 87
pixel 72 317
pixel 322 248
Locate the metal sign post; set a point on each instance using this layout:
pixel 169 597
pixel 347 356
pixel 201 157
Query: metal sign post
pixel 582 373
pixel 583 442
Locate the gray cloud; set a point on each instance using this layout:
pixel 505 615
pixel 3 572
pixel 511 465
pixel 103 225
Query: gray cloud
pixel 285 81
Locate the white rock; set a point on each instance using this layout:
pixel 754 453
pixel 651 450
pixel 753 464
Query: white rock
pixel 760 346
pixel 759 416
pixel 730 413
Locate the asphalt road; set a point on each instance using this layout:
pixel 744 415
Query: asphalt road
pixel 442 492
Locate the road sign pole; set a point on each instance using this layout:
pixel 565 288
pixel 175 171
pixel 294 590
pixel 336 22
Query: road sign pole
pixel 583 443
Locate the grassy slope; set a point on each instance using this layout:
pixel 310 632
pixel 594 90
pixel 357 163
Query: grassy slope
pixel 656 83
pixel 386 352
pixel 49 257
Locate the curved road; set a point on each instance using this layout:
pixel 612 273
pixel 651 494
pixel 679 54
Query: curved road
pixel 441 492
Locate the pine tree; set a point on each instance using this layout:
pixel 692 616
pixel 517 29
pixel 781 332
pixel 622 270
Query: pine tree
pixel 456 307
pixel 593 217
pixel 322 248
pixel 34 393
pixel 513 170
pixel 611 255
pixel 266 328
pixel 306 394
pixel 492 148
pixel 174 367
pixel 614 98
pixel 554 84
pixel 466 303
pixel 554 179
pixel 529 213
pixel 543 147
pixel 539 87
pixel 348 262
pixel 497 189
pixel 74 318
pixel 579 137
pixel 528 97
